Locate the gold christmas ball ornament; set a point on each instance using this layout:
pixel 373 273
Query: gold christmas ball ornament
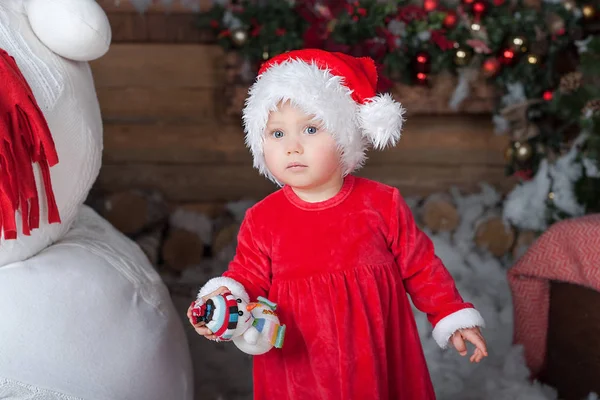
pixel 239 37
pixel 523 151
pixel 533 59
pixel 462 56
pixel 588 11
pixel 518 44
pixel 266 54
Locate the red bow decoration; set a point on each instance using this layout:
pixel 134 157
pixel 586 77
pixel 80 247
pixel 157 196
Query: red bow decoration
pixel 25 139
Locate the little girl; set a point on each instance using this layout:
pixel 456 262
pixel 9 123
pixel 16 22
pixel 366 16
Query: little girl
pixel 337 253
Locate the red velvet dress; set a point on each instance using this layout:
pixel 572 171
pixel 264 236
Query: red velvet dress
pixel 340 271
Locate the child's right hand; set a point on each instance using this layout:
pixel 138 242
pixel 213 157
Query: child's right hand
pixel 199 327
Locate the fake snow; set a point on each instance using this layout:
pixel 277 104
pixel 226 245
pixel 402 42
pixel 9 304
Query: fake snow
pixel 526 207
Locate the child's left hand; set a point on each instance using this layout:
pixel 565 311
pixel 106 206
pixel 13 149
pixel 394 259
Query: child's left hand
pixel 474 336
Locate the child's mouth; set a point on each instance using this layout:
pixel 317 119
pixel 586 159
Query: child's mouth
pixel 296 166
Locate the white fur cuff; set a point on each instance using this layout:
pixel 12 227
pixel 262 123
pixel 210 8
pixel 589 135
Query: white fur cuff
pixel 236 288
pixel 465 318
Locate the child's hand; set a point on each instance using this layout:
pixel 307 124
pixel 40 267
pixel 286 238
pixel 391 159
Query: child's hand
pixel 474 336
pixel 199 327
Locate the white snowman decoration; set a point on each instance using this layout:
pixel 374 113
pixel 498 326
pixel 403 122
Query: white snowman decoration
pixel 254 327
pixel 83 314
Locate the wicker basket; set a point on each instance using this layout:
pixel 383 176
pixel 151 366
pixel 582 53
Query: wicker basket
pixel 573 348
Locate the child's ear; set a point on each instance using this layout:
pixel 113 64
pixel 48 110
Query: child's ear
pixel 75 29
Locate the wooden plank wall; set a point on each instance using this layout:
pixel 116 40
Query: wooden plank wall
pixel 161 95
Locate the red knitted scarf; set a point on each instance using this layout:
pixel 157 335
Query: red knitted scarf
pixel 24 139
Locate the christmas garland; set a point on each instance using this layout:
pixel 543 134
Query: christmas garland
pixel 541 55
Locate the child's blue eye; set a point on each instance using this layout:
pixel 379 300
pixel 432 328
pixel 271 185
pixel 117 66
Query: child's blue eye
pixel 277 134
pixel 311 130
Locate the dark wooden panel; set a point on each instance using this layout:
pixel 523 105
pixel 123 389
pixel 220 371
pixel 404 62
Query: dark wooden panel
pixel 573 347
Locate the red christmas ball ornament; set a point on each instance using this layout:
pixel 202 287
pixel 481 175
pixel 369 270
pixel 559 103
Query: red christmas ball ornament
pixel 421 63
pixel 479 8
pixel 468 2
pixel 490 67
pixel 421 77
pixel 547 95
pixel 508 56
pixel 450 20
pixel 430 5
pixel 422 58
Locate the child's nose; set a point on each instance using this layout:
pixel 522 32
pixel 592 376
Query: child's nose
pixel 294 147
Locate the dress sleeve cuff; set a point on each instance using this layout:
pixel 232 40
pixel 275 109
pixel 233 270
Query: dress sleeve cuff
pixel 465 318
pixel 236 288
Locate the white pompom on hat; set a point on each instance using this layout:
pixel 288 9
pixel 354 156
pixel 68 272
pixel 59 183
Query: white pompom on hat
pixel 338 89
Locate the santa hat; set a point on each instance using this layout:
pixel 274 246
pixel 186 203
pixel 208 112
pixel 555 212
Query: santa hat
pixel 25 139
pixel 340 90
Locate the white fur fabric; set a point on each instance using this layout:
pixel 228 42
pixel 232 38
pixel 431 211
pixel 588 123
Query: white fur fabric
pixel 445 328
pixel 381 120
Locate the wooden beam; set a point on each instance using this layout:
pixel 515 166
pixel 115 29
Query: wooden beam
pixel 207 143
pixel 141 82
pixel 442 140
pixel 160 65
pixel 224 182
pixel 157 28
pixel 142 104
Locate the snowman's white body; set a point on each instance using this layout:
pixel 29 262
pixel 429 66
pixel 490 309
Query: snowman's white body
pixel 83 314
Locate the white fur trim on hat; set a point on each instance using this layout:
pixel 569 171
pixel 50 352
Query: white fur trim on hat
pixel 318 92
pixel 381 120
